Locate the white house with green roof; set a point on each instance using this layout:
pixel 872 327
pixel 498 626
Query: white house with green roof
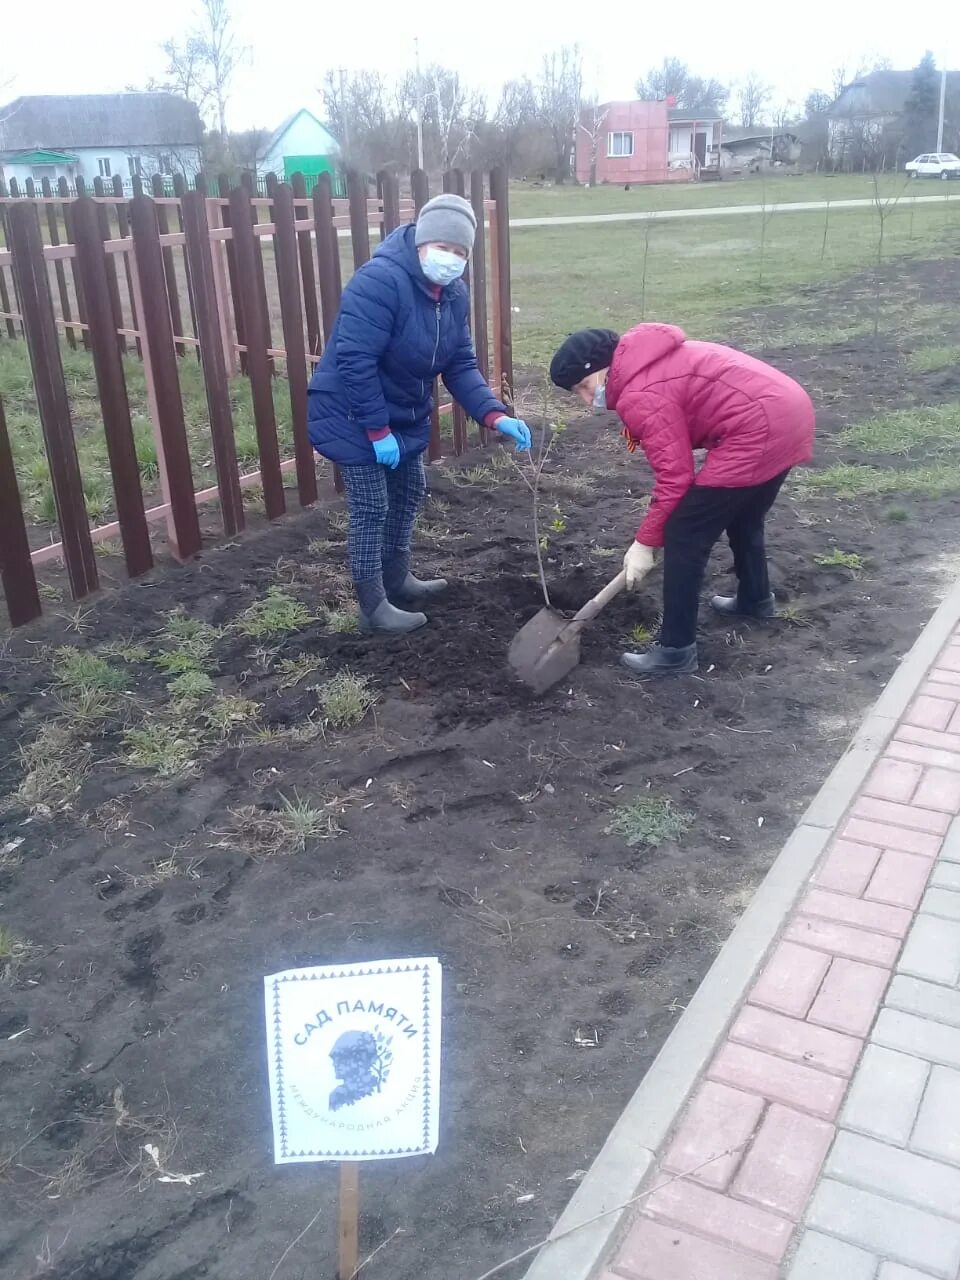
pixel 302 144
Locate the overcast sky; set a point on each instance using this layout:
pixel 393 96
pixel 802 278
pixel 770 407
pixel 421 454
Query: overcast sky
pixel 48 49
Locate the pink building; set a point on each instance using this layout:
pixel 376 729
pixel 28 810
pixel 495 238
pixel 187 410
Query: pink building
pixel 644 142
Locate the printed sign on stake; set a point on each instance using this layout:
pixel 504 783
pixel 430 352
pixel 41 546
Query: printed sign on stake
pixel 354 1060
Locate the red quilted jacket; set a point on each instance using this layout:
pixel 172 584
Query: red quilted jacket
pixel 675 396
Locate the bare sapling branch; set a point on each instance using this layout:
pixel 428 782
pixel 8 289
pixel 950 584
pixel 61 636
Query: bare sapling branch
pixel 530 471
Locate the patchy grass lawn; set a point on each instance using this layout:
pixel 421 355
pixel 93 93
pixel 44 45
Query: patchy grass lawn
pixel 528 201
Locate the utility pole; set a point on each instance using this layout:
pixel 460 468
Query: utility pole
pixel 943 98
pixel 416 50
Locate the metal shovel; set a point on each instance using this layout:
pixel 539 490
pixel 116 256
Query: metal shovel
pixel 548 646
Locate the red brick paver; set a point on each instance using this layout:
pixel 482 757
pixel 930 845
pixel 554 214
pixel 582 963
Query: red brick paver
pixel 654 1251
pixel 850 996
pixel 763 1115
pixel 782 1165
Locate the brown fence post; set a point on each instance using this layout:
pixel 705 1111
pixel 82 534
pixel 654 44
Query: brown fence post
pixel 53 405
pixel 359 221
pixel 200 254
pixel 180 190
pixel 4 291
pixel 53 227
pixel 249 184
pixel 223 186
pixel 106 233
pixel 123 226
pixel 288 284
pixel 390 194
pixel 480 275
pixel 114 405
pixel 16 569
pixel 169 264
pixel 420 188
pixel 499 191
pixel 453 182
pixel 63 190
pixel 308 279
pixel 258 361
pixel 328 254
pixel 161 356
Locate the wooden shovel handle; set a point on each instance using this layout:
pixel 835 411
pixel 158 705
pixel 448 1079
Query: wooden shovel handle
pixel 601 599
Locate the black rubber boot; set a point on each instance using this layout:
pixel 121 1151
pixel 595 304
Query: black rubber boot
pixel 731 607
pixel 403 588
pixel 378 615
pixel 659 661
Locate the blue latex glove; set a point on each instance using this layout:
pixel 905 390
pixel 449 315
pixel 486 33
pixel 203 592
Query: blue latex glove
pixel 387 451
pixel 517 430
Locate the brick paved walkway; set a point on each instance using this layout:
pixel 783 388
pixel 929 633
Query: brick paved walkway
pixel 837 1087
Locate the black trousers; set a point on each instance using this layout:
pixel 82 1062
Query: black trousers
pixel 691 531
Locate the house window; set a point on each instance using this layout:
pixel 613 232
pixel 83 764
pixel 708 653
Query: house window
pixel 166 165
pixel 136 168
pixel 105 170
pixel 41 171
pixel 620 144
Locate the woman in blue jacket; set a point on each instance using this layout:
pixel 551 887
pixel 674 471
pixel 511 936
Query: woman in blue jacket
pixel 402 322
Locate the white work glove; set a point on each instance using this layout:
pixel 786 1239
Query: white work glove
pixel 637 563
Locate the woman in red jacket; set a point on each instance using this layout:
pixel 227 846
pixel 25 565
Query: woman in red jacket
pixel 675 396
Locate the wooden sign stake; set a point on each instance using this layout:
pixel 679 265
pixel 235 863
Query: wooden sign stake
pixel 349 1219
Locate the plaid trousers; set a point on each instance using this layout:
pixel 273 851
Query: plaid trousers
pixel 382 506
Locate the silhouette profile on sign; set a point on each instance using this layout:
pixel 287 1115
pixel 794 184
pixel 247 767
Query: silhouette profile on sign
pixel 355 1059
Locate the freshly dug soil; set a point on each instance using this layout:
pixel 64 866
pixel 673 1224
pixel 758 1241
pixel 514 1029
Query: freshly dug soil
pixel 475 825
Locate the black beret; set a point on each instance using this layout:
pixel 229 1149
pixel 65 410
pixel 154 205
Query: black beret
pixel 583 352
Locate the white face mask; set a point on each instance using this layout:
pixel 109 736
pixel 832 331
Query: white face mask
pixel 441 266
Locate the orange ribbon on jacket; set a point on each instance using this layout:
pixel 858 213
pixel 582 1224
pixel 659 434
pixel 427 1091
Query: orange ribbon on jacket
pixel 632 445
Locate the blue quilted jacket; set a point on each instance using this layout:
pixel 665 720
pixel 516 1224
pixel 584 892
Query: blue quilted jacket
pixel 392 337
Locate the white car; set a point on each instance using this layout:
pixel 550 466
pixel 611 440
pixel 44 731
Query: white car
pixel 943 165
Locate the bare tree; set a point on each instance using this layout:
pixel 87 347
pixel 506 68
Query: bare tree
pixel 249 148
pixel 753 96
pixel 186 72
pixel 202 66
pixel 673 79
pixel 559 94
pixel 593 118
pixel 515 114
pixel 451 115
pixel 370 117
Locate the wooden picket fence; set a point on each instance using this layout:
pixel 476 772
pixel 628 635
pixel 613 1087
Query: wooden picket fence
pixel 166 277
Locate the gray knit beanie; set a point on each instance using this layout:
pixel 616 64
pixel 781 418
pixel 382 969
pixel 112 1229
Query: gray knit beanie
pixel 447 219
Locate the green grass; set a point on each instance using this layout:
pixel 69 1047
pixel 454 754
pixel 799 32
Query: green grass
pixel 276 614
pixel 292 670
pixel 704 274
pixel 932 359
pixel 230 712
pixel 284 829
pixel 527 201
pixel 861 480
pixel 651 820
pixel 837 559
pixel 345 699
pixel 80 670
pixel 931 426
pixel 191 686
pixel 640 636
pixel 166 749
